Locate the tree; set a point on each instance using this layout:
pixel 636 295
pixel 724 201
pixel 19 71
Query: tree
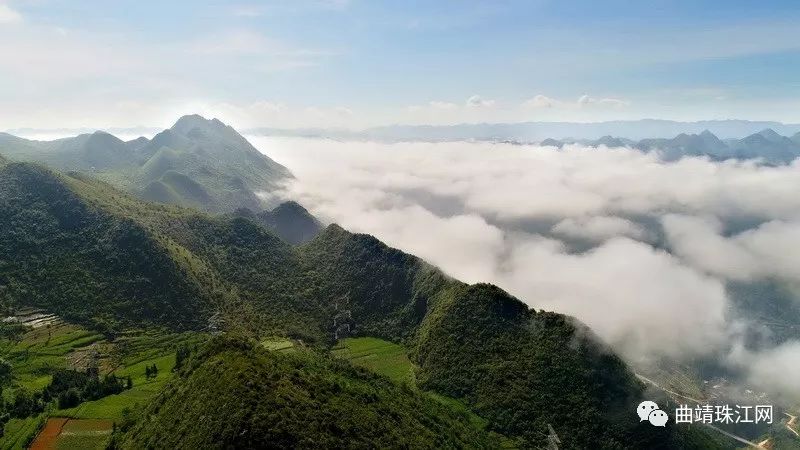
pixel 128 382
pixel 69 399
pixel 23 404
pixel 5 372
pixel 180 357
pixel 4 418
pixel 147 372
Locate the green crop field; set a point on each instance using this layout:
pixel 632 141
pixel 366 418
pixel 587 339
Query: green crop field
pixel 379 356
pixel 42 350
pixel 84 435
pixel 132 354
pixel 391 360
pixel 279 344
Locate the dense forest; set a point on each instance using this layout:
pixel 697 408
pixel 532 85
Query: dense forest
pixel 247 397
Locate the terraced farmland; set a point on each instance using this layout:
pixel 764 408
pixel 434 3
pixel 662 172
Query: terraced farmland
pixel 73 434
pixel 379 356
pixel 36 354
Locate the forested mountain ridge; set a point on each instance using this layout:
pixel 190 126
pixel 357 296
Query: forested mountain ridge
pixel 248 397
pixel 79 247
pixel 197 162
pixel 87 261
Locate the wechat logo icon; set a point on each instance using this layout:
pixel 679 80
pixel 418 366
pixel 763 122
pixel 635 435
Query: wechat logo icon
pixel 649 411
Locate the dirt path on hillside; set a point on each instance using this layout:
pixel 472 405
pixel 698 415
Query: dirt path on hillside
pixel 791 424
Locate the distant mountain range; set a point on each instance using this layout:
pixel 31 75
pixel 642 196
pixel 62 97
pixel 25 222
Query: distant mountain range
pixel 766 144
pixel 522 131
pixel 197 162
pixel 537 131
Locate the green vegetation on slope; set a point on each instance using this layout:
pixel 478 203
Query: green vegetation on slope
pixel 200 163
pixel 246 396
pixel 391 360
pixel 517 368
pixel 61 252
pixel 104 257
pixel 19 433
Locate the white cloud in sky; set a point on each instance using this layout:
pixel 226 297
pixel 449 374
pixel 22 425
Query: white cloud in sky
pixel 476 101
pixel 586 100
pixel 68 77
pixel 540 101
pixel 479 109
pixel 8 15
pixel 57 56
pixel 70 61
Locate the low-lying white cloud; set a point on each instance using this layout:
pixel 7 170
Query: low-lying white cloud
pixel 764 252
pixel 776 369
pixel 643 301
pixel 511 215
pixel 599 228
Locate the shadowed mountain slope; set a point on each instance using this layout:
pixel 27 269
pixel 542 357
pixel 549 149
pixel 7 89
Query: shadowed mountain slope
pixel 291 222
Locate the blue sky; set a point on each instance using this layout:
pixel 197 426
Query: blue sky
pixel 356 63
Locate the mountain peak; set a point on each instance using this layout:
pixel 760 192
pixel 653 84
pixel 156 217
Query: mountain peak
pixel 291 222
pixel 770 134
pixel 191 118
pixel 101 137
pixel 550 142
pixel 290 206
pixel 190 122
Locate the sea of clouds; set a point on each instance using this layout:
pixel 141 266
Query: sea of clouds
pixel 641 250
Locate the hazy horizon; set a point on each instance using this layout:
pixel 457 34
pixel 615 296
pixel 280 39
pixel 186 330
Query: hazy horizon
pixel 659 128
